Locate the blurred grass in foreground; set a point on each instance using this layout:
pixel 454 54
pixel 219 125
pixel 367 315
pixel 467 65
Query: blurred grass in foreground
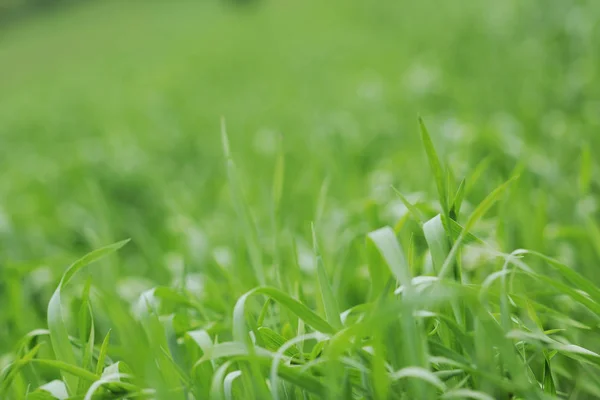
pixel 110 129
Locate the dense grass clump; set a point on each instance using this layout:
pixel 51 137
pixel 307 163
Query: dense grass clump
pixel 428 324
pixel 321 242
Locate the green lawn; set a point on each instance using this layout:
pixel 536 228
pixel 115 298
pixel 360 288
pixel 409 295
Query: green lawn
pixel 295 233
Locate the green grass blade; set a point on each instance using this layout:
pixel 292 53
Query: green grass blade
pixel 457 229
pixel 437 240
pixel 56 324
pixel 11 372
pixel 458 200
pixel 436 167
pixel 102 354
pixel 71 369
pixel 570 275
pixel 414 211
pixel 217 389
pixel 240 332
pixel 547 379
pixel 243 211
pixel 463 394
pixel 479 170
pixel 278 176
pixel 52 390
pixel 237 351
pixel 421 374
pixel 88 350
pixel 585 170
pixel 228 383
pixel 274 341
pixel 479 212
pixel 332 311
pixel 414 347
pixel 384 240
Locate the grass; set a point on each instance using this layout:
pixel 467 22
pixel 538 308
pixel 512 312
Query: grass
pixel 296 231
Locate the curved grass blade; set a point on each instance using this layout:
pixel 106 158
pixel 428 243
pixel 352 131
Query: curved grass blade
pixel 228 383
pixel 217 387
pixel 234 351
pixel 414 347
pixel 384 240
pixel 65 367
pixel 279 356
pixel 53 390
pixel 10 372
pixel 240 333
pixel 56 325
pixel 274 341
pixel 116 385
pixel 463 394
pixel 569 274
pixel 437 240
pixel 421 374
pixel 479 212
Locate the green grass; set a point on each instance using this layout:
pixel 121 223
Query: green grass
pixel 322 200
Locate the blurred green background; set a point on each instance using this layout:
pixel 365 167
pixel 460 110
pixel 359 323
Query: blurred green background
pixel 110 118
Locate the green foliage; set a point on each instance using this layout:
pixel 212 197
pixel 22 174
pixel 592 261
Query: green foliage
pixel 450 257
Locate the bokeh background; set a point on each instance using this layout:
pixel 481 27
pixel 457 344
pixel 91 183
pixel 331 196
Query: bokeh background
pixel 110 117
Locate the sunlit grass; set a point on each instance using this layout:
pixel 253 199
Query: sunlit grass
pixel 413 335
pixel 326 243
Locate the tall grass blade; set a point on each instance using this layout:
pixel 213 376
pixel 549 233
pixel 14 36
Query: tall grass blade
pixel 330 305
pixel 436 167
pixel 56 324
pixel 479 212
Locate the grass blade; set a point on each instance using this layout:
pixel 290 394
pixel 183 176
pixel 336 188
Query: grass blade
pixel 56 324
pixel 332 311
pixel 458 200
pixel 437 240
pixel 240 333
pixel 243 211
pixel 102 354
pixel 414 211
pixel 384 240
pixel 436 167
pixel 479 212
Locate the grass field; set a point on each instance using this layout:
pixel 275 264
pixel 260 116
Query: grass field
pixel 337 200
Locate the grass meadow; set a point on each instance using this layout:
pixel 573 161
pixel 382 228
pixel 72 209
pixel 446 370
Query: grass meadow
pixel 300 200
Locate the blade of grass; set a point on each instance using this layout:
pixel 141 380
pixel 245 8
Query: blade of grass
pixel 103 353
pixel 384 240
pixel 238 352
pixel 240 333
pixel 437 240
pixel 458 200
pixel 332 311
pixel 585 170
pixel 56 324
pixel 243 211
pixel 436 167
pixel 479 212
pixel 414 211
